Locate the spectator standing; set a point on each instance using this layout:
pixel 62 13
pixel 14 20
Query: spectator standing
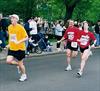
pixel 28 29
pixel 97 31
pixel 40 25
pixel 33 32
pixel 3 33
pixel 58 33
pixel 45 26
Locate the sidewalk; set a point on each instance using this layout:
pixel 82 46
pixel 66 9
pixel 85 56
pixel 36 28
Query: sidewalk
pixel 3 54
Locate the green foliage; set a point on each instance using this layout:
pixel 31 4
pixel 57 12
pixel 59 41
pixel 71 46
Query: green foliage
pixel 87 10
pixel 52 9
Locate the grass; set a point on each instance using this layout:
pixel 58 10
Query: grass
pixel 52 40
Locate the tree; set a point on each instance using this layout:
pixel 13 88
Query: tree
pixel 87 10
pixel 70 5
pixel 53 9
pixel 28 8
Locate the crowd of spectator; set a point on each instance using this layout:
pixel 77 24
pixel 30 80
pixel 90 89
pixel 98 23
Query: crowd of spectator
pixel 35 25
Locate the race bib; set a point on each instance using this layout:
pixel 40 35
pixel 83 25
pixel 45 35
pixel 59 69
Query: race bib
pixel 74 44
pixel 71 37
pixel 83 42
pixel 13 37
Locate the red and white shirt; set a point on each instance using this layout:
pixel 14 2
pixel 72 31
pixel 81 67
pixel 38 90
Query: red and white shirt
pixel 71 34
pixel 85 38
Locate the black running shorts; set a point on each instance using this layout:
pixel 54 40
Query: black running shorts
pixel 19 55
pixel 83 49
pixel 68 46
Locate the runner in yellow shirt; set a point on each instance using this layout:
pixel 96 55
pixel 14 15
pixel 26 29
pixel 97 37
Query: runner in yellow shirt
pixel 16 46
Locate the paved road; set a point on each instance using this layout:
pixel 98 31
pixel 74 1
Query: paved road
pixel 47 74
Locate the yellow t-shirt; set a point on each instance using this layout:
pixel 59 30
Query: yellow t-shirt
pixel 16 33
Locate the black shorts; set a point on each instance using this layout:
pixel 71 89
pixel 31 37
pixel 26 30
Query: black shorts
pixel 83 49
pixel 19 55
pixel 68 46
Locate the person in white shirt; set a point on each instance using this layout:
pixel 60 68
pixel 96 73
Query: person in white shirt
pixel 58 32
pixel 33 32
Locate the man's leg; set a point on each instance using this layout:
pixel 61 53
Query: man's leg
pixel 22 67
pixel 23 71
pixel 11 60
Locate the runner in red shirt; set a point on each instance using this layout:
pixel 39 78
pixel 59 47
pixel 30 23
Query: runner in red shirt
pixel 84 42
pixel 71 34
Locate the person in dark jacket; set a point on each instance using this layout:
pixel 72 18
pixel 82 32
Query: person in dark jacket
pixel 28 29
pixel 3 32
pixel 97 31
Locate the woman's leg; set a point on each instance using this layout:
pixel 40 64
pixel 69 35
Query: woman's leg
pixel 84 57
pixel 68 54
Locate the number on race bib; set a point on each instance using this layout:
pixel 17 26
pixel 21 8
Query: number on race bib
pixel 74 44
pixel 13 37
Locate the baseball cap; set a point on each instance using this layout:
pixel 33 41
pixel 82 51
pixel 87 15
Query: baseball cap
pixel 15 16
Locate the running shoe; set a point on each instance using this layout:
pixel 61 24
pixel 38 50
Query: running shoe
pixel 23 78
pixel 79 74
pixel 68 68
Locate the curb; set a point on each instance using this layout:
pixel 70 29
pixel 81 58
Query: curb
pixel 43 54
pixel 38 55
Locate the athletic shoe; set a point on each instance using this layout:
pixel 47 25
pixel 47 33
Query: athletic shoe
pixel 23 78
pixel 68 68
pixel 79 74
